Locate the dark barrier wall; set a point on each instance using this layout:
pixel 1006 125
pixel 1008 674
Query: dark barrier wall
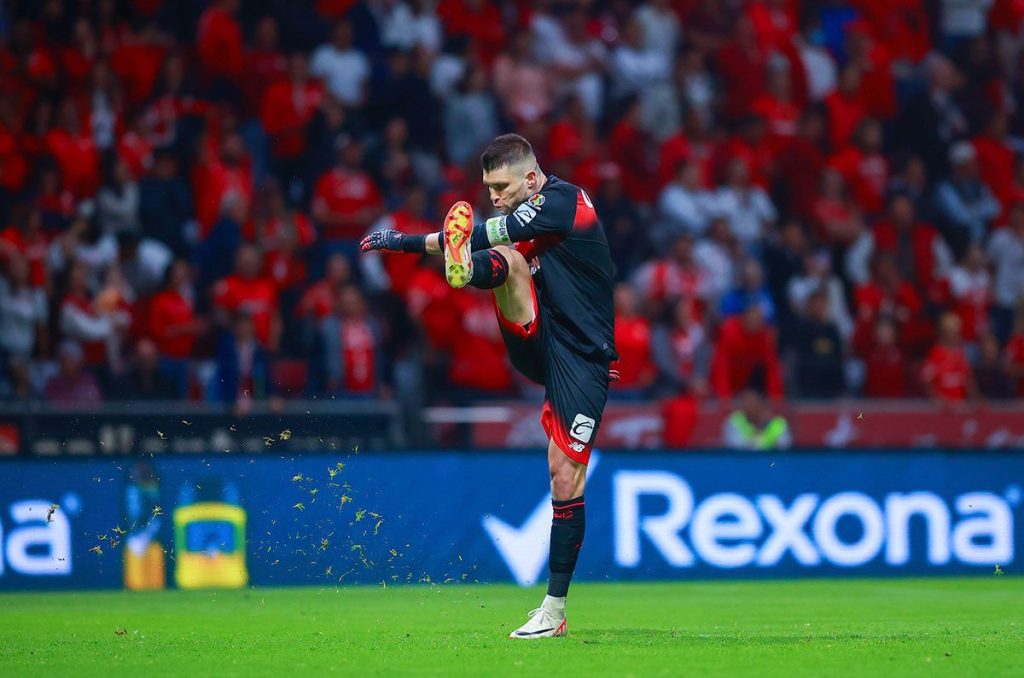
pixel 377 517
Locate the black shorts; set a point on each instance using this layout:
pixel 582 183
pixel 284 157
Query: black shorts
pixel 575 385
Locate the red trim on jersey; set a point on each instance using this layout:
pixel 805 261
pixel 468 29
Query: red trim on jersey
pixel 521 331
pixel 586 215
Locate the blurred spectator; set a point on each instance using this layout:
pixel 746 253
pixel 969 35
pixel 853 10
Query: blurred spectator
pixel 696 86
pixel 142 261
pixel 680 350
pixel 1006 251
pixel 470 117
pixel 674 276
pixel 633 342
pixel 143 380
pixel 685 203
pixel 345 200
pixel 818 277
pixel 285 236
pixel 75 152
pixel 920 252
pixel 715 255
pixel 846 107
pixel 995 153
pixel 640 70
pixel 219 43
pixel 911 179
pixel 889 295
pixel 119 198
pixel 221 175
pixel 350 347
pixel 746 207
pixel 818 63
pixel 753 427
pixel 173 323
pixel 251 292
pixel 751 291
pixel 933 119
pixel 383 272
pixel 741 69
pixel 837 220
pixel 408 25
pixel 864 168
pixel 287 109
pixel 784 255
pixel 319 299
pixel 23 316
pixel 660 27
pixel 991 370
pixel 82 320
pixel 521 84
pixel 745 346
pixel 344 70
pixel 72 385
pixel 265 64
pixel 165 204
pixel 965 205
pixel 970 285
pixel 242 366
pixel 819 350
pixel 576 58
pixel 947 374
pixel 480 368
pixel 885 364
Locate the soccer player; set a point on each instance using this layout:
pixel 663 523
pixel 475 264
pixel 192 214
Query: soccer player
pixel 547 260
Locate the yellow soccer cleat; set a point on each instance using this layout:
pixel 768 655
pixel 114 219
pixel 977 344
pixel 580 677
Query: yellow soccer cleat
pixel 458 252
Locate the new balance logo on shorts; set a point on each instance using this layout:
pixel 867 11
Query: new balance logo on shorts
pixel 582 428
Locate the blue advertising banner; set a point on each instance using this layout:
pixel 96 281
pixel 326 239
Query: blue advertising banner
pixel 441 517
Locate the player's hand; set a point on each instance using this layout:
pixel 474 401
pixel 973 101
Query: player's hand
pixel 387 239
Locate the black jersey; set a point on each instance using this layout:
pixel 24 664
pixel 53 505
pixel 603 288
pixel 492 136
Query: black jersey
pixel 558 231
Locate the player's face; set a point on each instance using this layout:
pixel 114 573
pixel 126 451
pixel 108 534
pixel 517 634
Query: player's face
pixel 509 186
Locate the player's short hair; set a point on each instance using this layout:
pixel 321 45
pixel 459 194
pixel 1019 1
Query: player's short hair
pixel 506 150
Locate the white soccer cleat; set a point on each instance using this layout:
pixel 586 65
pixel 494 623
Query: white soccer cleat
pixel 547 621
pixel 458 253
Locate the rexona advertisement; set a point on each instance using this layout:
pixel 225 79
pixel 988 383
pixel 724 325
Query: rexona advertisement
pixel 231 521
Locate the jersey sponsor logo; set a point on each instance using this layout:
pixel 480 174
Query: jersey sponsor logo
pixel 536 200
pixel 525 213
pixel 582 428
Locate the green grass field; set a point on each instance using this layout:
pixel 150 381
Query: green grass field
pixel 824 627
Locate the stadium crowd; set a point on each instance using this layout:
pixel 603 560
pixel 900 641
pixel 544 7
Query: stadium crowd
pixel 823 198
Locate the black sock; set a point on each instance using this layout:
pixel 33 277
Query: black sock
pixel 490 269
pixel 567 527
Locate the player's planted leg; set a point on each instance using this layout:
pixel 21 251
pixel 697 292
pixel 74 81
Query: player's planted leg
pixel 568 524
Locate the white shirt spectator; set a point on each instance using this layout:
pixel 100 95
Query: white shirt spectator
pixel 637 70
pixel 964 18
pixel 747 211
pixel 820 67
pixel 404 29
pixel 661 28
pixel 1006 251
pixel 717 266
pixel 21 311
pixel 344 72
pixel 687 208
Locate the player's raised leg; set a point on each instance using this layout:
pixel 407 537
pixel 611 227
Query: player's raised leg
pixel 568 523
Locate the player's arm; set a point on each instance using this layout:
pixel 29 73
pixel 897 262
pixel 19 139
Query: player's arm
pixel 545 214
pixel 390 240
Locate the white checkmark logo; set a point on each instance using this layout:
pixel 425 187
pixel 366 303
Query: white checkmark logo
pixel 525 548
